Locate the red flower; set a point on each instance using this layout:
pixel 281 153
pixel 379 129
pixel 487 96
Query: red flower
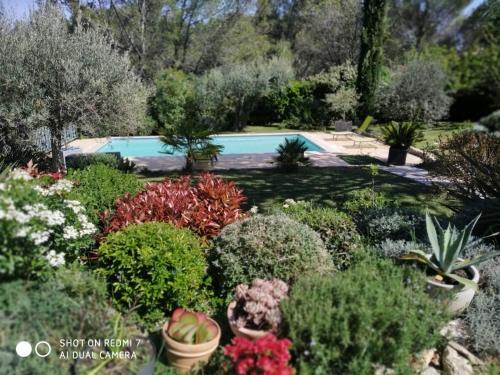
pixel 267 356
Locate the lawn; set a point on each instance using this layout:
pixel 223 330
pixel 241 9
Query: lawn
pixel 263 129
pixel 431 132
pixel 329 185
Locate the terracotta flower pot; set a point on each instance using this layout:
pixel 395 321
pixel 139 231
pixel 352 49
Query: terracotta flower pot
pixel 461 296
pixel 185 357
pixel 251 334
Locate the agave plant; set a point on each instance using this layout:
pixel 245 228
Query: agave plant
pixel 191 327
pixel 447 245
pixel 291 154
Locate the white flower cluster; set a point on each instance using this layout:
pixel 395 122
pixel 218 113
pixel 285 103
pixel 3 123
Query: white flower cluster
pixel 60 187
pixel 291 202
pixel 55 259
pixel 19 174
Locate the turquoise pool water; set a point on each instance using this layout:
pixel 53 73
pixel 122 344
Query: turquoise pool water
pixel 245 144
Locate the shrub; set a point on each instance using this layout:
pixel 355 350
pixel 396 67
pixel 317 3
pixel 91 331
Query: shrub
pixel 267 247
pixel 266 355
pixel 360 199
pixel 373 313
pixel 470 162
pixel 490 269
pixel 390 222
pixel 491 122
pixel 484 322
pixel 396 248
pixel 112 160
pixel 71 304
pixel 98 187
pixel 155 267
pixel 336 229
pixel 40 229
pixel 204 208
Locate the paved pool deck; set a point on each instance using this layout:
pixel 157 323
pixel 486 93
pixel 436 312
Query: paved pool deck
pixel 354 145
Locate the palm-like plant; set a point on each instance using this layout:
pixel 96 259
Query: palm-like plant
pixel 447 246
pixel 291 154
pixel 402 135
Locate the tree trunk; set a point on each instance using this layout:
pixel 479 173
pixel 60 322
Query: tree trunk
pixel 56 147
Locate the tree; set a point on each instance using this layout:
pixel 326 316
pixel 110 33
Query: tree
pixel 327 34
pixel 371 51
pixel 53 78
pixel 415 92
pixel 234 90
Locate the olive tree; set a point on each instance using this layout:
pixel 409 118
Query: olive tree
pixel 233 90
pixel 54 78
pixel 415 92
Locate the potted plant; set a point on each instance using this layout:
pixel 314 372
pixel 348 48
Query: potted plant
pixel 400 137
pixel 190 338
pixel 254 311
pixel 291 155
pixel 205 156
pixel 447 271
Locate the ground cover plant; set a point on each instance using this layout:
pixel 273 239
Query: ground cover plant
pixel 205 207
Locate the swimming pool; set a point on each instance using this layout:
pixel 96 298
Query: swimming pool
pixel 244 144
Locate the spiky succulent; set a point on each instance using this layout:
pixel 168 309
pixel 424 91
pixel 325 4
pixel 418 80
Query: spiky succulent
pixel 447 246
pixel 257 305
pixel 191 327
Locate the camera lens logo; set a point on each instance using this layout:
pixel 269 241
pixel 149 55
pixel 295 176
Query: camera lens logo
pixel 24 349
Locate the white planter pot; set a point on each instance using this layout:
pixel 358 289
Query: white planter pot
pixel 460 295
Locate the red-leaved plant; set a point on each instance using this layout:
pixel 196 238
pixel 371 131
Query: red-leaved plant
pixel 266 355
pixel 205 207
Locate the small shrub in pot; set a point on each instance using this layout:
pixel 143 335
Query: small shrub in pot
pixel 400 137
pixel 254 310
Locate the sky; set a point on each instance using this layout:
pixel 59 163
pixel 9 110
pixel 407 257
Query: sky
pixel 20 8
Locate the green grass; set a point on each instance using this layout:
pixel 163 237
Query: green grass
pixel 361 160
pixel 267 187
pixel 431 132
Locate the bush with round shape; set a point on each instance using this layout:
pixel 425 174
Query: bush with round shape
pixel 112 160
pixel 373 313
pixel 336 228
pixel 98 186
pixel 266 247
pixel 154 267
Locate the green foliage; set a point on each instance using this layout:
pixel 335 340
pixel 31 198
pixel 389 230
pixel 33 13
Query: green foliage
pixel 154 267
pixel 342 103
pixel 291 155
pixel 390 222
pixel 174 90
pixel 55 78
pixel 362 199
pixel 415 92
pixel 491 122
pixel 394 249
pixel 41 230
pixel 266 247
pixel 234 90
pixel 112 160
pixel 337 230
pixel 373 313
pixel 370 55
pixel 402 134
pixel 98 186
pixel 72 304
